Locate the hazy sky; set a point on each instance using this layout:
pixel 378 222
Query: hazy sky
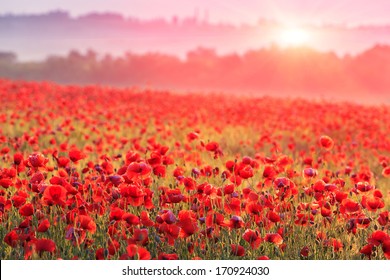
pixel 353 12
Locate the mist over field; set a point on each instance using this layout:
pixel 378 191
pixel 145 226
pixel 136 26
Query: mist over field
pixel 36 36
pixel 189 54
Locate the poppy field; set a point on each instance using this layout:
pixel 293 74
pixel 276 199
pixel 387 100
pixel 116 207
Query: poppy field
pixel 104 173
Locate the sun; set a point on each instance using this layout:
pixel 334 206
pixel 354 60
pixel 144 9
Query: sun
pixel 294 36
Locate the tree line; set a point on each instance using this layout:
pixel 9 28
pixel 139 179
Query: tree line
pixel 274 68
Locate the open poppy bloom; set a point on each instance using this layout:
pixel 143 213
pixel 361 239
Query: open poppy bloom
pixel 212 146
pixel 367 250
pixel 86 223
pixel 273 238
pixel 386 172
pixel 131 219
pixel 43 226
pixel 326 142
pixel 137 170
pixel 133 193
pixel 137 252
pixel 54 195
pixel 164 256
pixel 75 155
pixel 187 222
pixel 6 182
pixel 253 238
pixel 372 203
pixel 37 160
pixel 378 237
pixel 26 210
pixel 11 238
pixel 386 248
pixel 44 245
pixel 349 206
pixel 237 250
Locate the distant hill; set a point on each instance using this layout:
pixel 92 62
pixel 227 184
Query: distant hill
pixel 34 37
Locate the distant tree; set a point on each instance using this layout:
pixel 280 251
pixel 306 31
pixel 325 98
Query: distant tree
pixel 8 57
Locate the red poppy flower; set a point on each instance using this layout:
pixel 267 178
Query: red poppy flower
pixel 326 142
pixel 11 238
pixel 133 193
pixel 309 172
pixel 145 219
pixel 164 256
pixel 37 160
pixel 337 244
pixel 212 146
pixel 386 248
pixel 63 162
pixel 228 189
pixel 45 245
pixel 340 196
pixel 100 254
pixel 171 232
pixel 54 195
pixel 367 250
pixel 86 223
pixel 273 217
pixel 349 206
pixel 113 247
pixel 326 211
pixel 253 208
pixel 236 222
pixel 269 172
pixel 137 170
pixel 384 218
pixel 386 172
pixel 159 170
pixel 116 214
pixel 131 219
pixel 364 187
pixel 378 237
pixel 18 201
pixel 253 238
pixel 6 182
pixel 274 238
pixel 138 252
pixel 174 196
pixel 246 172
pixel 192 136
pixel 26 210
pixel 75 155
pixel 18 158
pixel 140 237
pixel 189 184
pixel 321 236
pixel 187 223
pixel 372 203
pixel 43 226
pixel 234 206
pixel 166 216
pixel 305 251
pixel 304 219
pixel 237 250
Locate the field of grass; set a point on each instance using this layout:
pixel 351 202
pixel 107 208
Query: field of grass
pixel 104 173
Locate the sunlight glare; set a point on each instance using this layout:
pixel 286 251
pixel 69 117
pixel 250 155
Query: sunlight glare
pixel 294 36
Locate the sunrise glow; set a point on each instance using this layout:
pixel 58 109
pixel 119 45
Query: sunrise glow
pixel 294 36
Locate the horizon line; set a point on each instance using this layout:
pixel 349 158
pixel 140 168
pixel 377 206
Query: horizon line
pixel 196 17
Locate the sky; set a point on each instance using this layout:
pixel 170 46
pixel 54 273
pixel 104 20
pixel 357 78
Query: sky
pixel 348 12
